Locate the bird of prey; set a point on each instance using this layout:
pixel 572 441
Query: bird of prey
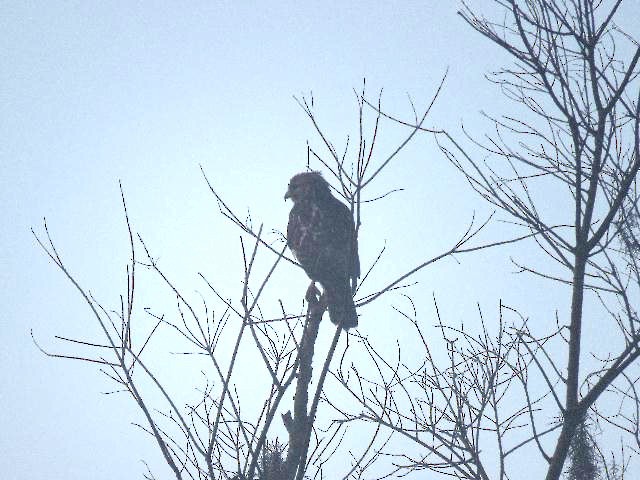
pixel 322 236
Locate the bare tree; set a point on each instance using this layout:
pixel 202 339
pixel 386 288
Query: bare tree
pixel 577 142
pixel 221 434
pixel 570 76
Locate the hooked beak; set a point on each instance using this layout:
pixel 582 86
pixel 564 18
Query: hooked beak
pixel 287 195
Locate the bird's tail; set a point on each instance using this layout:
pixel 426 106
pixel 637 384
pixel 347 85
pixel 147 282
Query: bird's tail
pixel 342 310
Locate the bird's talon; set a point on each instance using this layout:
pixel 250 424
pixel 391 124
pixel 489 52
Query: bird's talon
pixel 313 294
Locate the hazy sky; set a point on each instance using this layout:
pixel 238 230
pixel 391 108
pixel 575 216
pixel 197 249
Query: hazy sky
pixel 145 92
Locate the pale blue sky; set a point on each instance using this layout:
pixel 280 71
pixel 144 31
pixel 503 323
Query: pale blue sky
pixel 94 92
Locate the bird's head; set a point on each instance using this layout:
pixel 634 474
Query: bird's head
pixel 306 186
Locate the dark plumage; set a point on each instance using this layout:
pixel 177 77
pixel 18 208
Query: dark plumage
pixel 321 234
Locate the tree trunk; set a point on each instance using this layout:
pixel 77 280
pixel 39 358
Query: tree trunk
pixel 571 417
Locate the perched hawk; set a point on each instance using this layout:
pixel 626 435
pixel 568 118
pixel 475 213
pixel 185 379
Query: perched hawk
pixel 321 234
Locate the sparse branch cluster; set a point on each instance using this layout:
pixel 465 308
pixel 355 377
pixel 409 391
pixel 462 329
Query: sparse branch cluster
pixel 579 145
pixel 207 438
pixel 219 436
